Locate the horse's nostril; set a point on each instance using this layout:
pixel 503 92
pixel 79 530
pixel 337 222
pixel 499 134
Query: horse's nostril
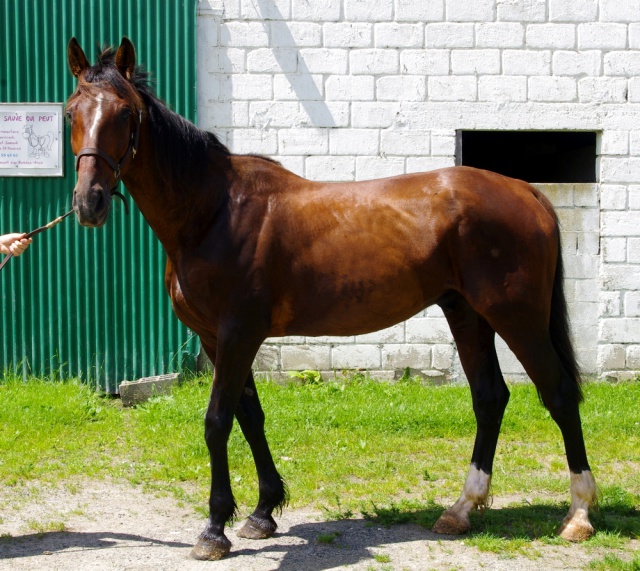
pixel 99 204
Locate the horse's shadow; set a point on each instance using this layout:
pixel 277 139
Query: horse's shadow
pixel 322 545
pixel 342 542
pixel 31 545
pixel 336 543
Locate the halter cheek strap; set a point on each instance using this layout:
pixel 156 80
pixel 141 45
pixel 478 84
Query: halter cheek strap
pixel 115 166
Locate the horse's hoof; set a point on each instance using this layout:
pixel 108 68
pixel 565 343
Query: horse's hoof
pixel 257 528
pixel 211 549
pixel 576 530
pixel 449 523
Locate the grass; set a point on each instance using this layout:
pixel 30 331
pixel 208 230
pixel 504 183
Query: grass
pixel 327 538
pixel 42 528
pixel 397 453
pixel 611 562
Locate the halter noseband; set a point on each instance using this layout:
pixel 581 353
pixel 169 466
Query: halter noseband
pixel 116 167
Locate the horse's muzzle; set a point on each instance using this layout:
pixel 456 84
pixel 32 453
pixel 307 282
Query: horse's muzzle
pixel 92 205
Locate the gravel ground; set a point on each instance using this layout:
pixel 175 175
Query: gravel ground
pixel 99 526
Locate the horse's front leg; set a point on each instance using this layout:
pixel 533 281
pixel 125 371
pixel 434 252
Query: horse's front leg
pixel 273 495
pixel 234 356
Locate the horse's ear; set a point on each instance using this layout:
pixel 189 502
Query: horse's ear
pixel 77 60
pixel 126 58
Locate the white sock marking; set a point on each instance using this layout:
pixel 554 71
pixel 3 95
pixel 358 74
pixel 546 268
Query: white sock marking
pixel 583 493
pixel 474 494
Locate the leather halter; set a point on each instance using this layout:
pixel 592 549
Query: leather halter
pixel 115 166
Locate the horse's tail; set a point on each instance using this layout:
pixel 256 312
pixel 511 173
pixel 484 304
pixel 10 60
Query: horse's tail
pixel 559 328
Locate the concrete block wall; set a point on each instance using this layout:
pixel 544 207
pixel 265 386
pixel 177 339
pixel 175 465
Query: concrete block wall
pixel 357 89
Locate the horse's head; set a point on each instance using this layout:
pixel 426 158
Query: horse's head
pixel 105 112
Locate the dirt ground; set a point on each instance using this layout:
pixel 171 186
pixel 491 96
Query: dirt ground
pixel 98 526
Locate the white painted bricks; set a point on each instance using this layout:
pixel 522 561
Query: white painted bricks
pixel 344 90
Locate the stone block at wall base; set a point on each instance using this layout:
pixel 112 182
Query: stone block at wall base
pixel 618 376
pixel 136 392
pixel 428 376
pixel 431 377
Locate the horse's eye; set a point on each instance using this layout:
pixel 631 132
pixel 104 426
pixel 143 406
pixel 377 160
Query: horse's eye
pixel 125 114
pixel 68 117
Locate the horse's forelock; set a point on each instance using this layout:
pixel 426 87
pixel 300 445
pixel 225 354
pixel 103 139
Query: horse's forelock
pixel 105 75
pixel 105 70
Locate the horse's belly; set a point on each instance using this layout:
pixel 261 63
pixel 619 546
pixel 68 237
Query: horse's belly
pixel 353 309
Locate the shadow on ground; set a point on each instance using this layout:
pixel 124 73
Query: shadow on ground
pixel 55 541
pixel 323 545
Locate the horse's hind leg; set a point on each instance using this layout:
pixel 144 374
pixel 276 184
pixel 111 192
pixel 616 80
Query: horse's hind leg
pixel 475 340
pixel 260 523
pixel 560 393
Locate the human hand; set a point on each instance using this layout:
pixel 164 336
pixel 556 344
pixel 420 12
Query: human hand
pixel 14 244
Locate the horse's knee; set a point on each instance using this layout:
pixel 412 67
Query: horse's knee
pixel 250 413
pixel 217 427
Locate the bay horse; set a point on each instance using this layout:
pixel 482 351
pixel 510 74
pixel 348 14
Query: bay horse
pixel 255 251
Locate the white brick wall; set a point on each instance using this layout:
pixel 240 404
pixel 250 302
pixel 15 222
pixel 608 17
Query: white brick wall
pixel 355 89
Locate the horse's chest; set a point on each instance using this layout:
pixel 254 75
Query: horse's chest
pixel 187 295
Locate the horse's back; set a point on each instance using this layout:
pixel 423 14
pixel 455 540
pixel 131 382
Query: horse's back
pixel 358 256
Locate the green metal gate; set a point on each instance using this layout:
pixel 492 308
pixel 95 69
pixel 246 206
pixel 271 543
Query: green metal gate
pixel 80 302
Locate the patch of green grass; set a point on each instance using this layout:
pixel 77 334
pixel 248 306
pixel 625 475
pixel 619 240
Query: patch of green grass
pixel 392 448
pixel 606 539
pixel 492 543
pixel 404 511
pixel 382 558
pixel 50 431
pixel 611 562
pixel 338 512
pixel 618 512
pixel 327 538
pixel 48 527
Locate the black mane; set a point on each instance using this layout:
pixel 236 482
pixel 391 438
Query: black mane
pixel 182 147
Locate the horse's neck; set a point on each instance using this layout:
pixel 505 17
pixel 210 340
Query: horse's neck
pixel 177 211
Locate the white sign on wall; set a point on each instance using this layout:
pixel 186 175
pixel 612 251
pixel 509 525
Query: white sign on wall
pixel 31 139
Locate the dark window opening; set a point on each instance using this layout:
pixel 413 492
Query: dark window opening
pixel 534 156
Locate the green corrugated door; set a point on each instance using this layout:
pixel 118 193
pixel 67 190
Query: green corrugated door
pixel 86 302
